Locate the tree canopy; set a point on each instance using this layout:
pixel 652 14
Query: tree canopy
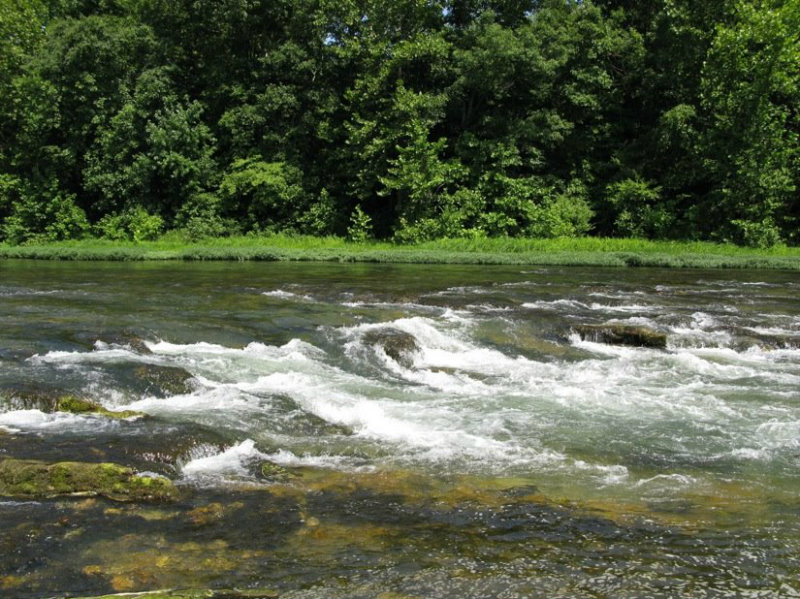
pixel 403 119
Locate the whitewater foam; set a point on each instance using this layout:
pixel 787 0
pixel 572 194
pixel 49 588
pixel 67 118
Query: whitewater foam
pixel 231 462
pixel 36 421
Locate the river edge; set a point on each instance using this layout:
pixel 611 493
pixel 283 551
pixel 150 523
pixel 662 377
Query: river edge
pixel 543 252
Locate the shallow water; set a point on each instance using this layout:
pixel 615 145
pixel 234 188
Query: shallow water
pixel 504 457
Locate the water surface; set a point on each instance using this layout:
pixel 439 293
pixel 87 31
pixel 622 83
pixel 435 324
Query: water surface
pixel 503 457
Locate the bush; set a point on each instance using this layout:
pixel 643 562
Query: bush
pixel 360 228
pixel 200 218
pixel 267 196
pixel 639 209
pixel 460 213
pixel 134 224
pixel 566 215
pixel 758 234
pixel 44 215
pixel 9 193
pixel 321 217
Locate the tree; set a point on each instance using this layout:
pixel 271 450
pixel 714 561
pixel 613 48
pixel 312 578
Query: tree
pixel 750 92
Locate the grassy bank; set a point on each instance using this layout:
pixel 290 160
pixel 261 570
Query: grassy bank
pixel 586 251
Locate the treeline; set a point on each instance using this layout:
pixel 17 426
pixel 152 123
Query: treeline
pixel 403 119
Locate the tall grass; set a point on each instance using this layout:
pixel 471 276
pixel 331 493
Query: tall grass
pixel 585 251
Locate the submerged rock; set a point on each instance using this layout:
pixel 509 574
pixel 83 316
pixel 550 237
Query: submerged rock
pixel 127 339
pixel 77 405
pixel 746 339
pixel 163 380
pixel 396 344
pixel 195 594
pixel 275 473
pixel 30 397
pixel 617 334
pixel 32 479
pixel 24 397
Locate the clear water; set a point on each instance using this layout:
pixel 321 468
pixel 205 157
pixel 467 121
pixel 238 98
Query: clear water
pixel 505 457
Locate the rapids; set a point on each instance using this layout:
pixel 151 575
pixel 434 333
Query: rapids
pixel 502 456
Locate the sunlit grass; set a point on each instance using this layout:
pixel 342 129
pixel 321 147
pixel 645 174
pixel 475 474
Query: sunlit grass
pixel 585 251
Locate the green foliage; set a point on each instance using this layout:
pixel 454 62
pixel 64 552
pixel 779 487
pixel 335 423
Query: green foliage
pixel 9 194
pixel 360 228
pixel 413 120
pixel 134 224
pixel 321 217
pixel 266 196
pixel 751 89
pixel 44 213
pixel 638 208
pixel 200 217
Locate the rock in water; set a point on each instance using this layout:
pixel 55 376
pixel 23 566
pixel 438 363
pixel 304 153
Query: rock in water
pixel 195 594
pixel 77 405
pixel 275 473
pixel 32 479
pixel 616 334
pixel 30 397
pixel 163 380
pixel 396 344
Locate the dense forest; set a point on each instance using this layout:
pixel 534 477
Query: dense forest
pixel 402 119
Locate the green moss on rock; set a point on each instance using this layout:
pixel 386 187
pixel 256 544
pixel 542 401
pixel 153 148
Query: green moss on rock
pixel 31 479
pixel 77 405
pixel 275 473
pixel 196 594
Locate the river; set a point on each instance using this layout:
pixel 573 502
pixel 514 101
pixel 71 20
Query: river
pixel 498 453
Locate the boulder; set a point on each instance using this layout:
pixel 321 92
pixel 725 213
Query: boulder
pixel 617 334
pixel 396 344
pixel 33 479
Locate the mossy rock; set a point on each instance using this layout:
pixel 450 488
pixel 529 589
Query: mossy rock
pixel 77 405
pixel 396 344
pixel 32 479
pixel 614 334
pixel 275 473
pixel 196 594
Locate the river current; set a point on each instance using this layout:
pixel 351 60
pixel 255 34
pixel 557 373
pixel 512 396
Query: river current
pixel 500 454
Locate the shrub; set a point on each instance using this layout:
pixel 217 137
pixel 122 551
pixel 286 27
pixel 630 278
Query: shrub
pixel 757 234
pixel 134 224
pixel 44 215
pixel 265 195
pixel 639 209
pixel 360 228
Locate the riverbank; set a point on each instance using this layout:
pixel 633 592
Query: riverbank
pixel 588 251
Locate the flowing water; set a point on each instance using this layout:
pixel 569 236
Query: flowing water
pixel 498 455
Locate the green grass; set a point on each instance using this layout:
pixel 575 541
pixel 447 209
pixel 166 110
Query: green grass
pixel 586 251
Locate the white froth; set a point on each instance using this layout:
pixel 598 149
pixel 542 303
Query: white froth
pixel 287 295
pixel 674 479
pixel 284 457
pixel 555 305
pixel 231 462
pixel 36 421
